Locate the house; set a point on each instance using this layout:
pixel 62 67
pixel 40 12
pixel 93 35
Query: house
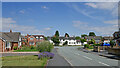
pixel 116 36
pixel 33 39
pixel 98 39
pixel 70 40
pixel 107 39
pixel 9 40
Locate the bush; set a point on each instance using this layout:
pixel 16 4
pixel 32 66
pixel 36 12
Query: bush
pixel 44 46
pixel 86 45
pixel 32 47
pixel 15 48
pixel 45 55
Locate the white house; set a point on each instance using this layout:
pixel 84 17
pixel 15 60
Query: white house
pixel 70 41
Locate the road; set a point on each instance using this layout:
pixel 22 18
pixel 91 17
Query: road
pixel 79 58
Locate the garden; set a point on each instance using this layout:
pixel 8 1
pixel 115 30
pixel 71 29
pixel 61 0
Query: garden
pixel 45 54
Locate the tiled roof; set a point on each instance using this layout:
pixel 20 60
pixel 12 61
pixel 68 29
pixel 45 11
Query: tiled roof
pixel 10 36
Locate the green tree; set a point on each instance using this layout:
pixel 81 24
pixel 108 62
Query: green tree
pixel 82 41
pixel 56 40
pixel 66 35
pixel 77 38
pixel 45 38
pixel 57 33
pixel 92 34
pixel 83 35
pixel 112 43
pixel 65 43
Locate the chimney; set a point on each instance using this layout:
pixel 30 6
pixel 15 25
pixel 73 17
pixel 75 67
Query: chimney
pixel 10 31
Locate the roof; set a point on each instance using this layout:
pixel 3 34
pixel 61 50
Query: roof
pixel 36 35
pixel 108 38
pixel 10 36
pixel 94 37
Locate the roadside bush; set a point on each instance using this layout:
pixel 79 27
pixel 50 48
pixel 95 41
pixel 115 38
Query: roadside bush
pixel 86 45
pixel 32 47
pixel 44 46
pixel 45 55
pixel 15 48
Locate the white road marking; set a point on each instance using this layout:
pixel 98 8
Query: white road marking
pixel 104 64
pixel 68 61
pixel 87 57
pixel 77 54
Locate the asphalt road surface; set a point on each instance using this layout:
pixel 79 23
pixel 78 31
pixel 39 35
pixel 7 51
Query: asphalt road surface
pixel 79 58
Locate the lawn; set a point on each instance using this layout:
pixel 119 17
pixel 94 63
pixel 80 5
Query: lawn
pixel 23 61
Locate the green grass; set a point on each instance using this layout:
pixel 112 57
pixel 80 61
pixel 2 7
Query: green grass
pixel 32 50
pixel 23 61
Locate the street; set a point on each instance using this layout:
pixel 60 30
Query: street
pixel 76 57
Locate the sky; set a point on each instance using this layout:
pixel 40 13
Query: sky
pixel 74 18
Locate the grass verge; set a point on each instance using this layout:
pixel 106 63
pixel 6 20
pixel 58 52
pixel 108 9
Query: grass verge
pixel 23 61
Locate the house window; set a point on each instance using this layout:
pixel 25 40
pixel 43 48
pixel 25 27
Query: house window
pixel 31 38
pixel 41 38
pixel 31 43
pixel 74 42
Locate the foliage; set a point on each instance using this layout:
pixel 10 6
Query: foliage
pixel 77 38
pixel 83 35
pixel 45 38
pixel 86 45
pixel 45 55
pixel 92 41
pixel 96 44
pixel 44 46
pixel 92 34
pixel 65 43
pixel 83 40
pixel 66 35
pixel 15 48
pixel 112 43
pixel 56 40
pixel 57 33
pixel 32 47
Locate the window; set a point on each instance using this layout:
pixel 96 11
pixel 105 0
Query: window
pixel 31 43
pixel 31 38
pixel 41 38
pixel 74 42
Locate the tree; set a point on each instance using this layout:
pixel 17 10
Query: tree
pixel 112 43
pixel 65 43
pixel 83 35
pixel 45 38
pixel 92 34
pixel 77 38
pixel 66 35
pixel 57 33
pixel 55 39
pixel 82 41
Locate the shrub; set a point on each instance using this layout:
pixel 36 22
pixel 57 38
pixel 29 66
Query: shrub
pixel 15 48
pixel 45 55
pixel 44 46
pixel 86 45
pixel 32 47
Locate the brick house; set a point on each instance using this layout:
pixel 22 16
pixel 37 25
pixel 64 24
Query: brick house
pixel 116 36
pixel 33 39
pixel 9 40
pixel 98 39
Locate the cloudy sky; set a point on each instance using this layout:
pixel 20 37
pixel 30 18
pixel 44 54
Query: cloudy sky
pixel 75 18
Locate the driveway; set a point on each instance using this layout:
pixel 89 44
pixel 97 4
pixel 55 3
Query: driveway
pixel 79 58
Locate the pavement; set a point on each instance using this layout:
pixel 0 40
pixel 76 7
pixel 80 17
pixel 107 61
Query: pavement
pixel 101 53
pixel 58 61
pixel 79 58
